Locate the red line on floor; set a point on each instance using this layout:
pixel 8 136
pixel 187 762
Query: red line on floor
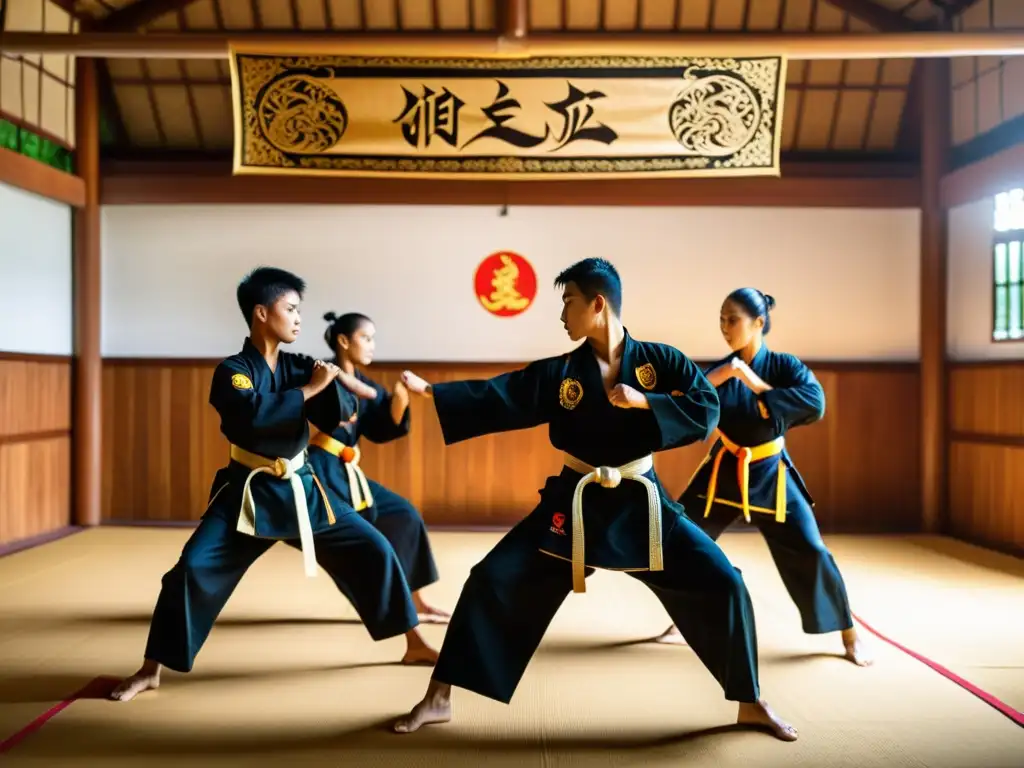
pixel 988 698
pixel 97 688
pixel 101 687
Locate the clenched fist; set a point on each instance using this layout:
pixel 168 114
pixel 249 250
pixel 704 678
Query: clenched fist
pixel 415 384
pixel 624 396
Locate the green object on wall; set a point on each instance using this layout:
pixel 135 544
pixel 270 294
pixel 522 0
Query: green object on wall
pixel 25 142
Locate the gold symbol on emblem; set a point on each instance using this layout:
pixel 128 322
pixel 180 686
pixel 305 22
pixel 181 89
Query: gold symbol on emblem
pixel 241 381
pixel 505 294
pixel 570 393
pixel 646 376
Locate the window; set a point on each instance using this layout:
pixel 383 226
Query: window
pixel 1007 272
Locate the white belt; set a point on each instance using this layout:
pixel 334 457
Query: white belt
pixel 285 469
pixel 357 482
pixel 610 477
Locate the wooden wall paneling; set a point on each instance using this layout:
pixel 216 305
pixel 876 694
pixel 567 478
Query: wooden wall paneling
pixel 162 447
pixel 35 487
pixel 35 396
pixel 875 453
pixel 987 494
pixel 986 457
pixel 987 399
pixel 35 445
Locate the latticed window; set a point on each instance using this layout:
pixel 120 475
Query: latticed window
pixel 1007 256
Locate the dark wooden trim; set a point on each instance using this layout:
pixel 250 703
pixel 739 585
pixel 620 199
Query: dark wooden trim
pixel 36 541
pixel 968 365
pixel 23 172
pixel 214 185
pixel 845 366
pixel 934 288
pixel 31 357
pixel 87 382
pixel 34 437
pixel 1004 136
pixel 987 438
pixel 1007 341
pixel 984 178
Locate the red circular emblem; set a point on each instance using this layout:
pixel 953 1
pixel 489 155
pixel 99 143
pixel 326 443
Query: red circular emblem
pixel 505 284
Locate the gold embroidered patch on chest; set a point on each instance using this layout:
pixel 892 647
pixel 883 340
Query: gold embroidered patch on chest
pixel 570 393
pixel 241 381
pixel 646 375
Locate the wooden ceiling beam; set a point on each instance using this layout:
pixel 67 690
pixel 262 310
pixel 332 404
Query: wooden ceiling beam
pixel 796 45
pixel 68 6
pixel 212 184
pixel 876 16
pixel 137 15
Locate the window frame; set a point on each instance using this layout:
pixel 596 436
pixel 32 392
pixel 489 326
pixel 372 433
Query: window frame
pixel 1004 237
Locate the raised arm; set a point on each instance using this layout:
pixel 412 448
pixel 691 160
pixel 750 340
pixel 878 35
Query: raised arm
pixel 467 409
pixel 385 416
pixel 795 399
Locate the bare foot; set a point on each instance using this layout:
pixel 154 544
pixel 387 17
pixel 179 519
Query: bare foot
pixel 436 707
pixel 428 614
pixel 760 714
pixel 671 636
pixel 855 649
pixel 146 679
pixel 417 652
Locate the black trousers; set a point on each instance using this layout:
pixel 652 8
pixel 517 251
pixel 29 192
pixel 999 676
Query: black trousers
pixel 403 526
pixel 806 566
pixel 359 559
pixel 512 595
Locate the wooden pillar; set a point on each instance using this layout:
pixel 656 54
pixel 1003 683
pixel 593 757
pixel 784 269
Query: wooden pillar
pixel 88 377
pixel 514 18
pixel 935 119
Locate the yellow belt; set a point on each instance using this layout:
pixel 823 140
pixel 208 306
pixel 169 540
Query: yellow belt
pixel 610 477
pixel 285 469
pixel 746 455
pixel 349 455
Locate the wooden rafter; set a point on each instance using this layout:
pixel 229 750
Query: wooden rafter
pixel 137 15
pixel 876 16
pixel 68 6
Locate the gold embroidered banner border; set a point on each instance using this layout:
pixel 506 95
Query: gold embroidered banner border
pixel 531 118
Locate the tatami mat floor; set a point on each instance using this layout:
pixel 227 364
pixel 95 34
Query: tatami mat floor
pixel 290 678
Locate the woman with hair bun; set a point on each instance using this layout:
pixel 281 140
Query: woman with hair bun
pixel 380 420
pixel 748 471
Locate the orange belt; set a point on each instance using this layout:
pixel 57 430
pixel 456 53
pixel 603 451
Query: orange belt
pixel 746 455
pixel 349 455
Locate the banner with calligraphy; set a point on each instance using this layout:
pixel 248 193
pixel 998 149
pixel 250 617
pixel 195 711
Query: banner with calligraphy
pixel 549 118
